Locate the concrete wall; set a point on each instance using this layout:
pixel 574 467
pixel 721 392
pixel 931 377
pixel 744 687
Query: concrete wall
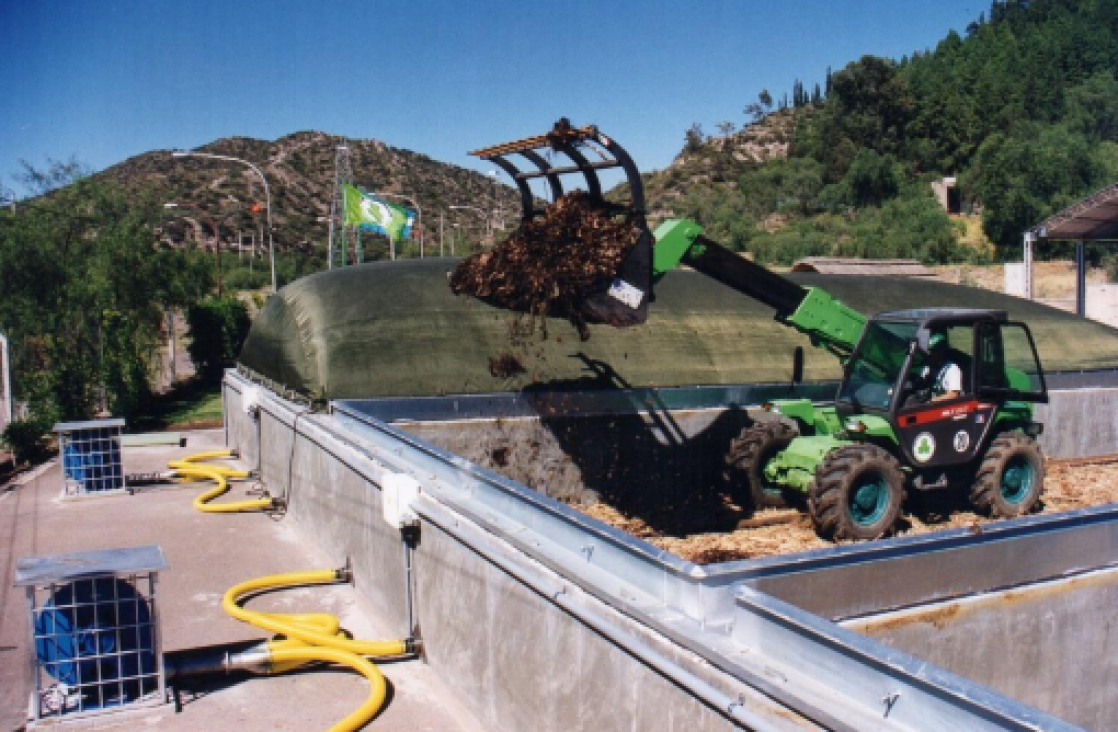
pixel 1049 643
pixel 544 619
pixel 1079 423
pixel 658 458
pixel 519 659
pixel 628 459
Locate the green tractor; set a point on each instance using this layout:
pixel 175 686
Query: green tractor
pixel 930 399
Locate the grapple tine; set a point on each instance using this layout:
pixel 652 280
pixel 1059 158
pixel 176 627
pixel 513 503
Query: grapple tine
pixel 626 300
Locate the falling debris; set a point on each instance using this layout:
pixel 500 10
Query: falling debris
pixel 506 365
pixel 552 264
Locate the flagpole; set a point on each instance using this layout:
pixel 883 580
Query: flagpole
pixel 419 212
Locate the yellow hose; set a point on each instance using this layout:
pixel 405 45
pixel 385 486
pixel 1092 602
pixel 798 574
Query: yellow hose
pixel 219 474
pixel 202 501
pixel 311 637
pixel 377 688
pixel 189 462
pixel 306 632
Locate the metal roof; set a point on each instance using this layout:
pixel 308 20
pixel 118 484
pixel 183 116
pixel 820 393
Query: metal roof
pixel 1092 219
pixel 858 266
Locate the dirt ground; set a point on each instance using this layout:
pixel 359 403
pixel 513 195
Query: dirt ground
pixel 1051 280
pixel 1069 484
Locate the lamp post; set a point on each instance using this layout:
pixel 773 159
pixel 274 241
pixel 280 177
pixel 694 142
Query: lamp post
pixel 419 210
pixel 267 197
pixel 6 381
pixel 484 216
pixel 498 211
pixel 213 227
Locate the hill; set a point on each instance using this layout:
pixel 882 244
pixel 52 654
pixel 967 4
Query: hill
pixel 300 172
pixel 1022 110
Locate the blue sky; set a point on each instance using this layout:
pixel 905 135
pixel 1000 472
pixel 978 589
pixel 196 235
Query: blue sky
pixel 104 80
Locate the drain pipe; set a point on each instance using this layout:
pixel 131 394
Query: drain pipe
pixel 733 707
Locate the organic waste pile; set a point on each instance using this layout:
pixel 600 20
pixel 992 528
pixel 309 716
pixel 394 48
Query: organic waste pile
pixel 1070 484
pixel 551 264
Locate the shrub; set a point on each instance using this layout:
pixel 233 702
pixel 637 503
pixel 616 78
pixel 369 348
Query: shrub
pixel 218 327
pixel 26 439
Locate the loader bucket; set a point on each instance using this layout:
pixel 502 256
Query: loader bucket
pixel 621 297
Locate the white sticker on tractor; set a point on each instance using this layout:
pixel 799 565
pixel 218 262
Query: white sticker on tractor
pixel 962 441
pixel 626 293
pixel 924 447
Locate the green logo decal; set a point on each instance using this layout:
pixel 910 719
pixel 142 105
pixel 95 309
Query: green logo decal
pixel 924 447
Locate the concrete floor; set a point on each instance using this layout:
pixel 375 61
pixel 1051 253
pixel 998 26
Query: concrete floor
pixel 206 554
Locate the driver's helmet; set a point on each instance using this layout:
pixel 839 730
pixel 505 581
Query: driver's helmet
pixel 937 340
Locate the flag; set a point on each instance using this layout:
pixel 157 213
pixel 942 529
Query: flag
pixel 373 213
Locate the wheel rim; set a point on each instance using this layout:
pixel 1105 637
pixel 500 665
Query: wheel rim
pixel 869 500
pixel 1017 479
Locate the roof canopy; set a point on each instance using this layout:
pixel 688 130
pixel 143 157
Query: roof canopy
pixel 1092 219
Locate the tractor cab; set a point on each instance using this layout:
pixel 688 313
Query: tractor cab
pixel 943 378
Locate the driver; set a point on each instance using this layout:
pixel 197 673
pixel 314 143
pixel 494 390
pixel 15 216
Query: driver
pixel 945 375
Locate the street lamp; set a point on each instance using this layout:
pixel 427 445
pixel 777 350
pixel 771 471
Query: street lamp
pixel 6 381
pixel 267 197
pixel 498 211
pixel 484 216
pixel 213 226
pixel 419 210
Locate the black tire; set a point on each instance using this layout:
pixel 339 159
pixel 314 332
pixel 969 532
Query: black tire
pixel 1010 479
pixel 857 494
pixel 746 460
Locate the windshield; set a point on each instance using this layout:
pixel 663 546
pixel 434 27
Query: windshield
pixel 874 367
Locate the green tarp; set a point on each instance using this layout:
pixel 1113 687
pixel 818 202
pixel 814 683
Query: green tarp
pixel 395 329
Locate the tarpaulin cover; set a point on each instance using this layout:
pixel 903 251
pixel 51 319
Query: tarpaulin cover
pixel 395 329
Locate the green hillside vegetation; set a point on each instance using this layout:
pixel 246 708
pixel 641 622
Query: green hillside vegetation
pixel 1023 110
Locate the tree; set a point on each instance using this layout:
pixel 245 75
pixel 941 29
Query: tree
pixel 873 178
pixel 726 128
pixel 1024 176
pixel 85 288
pixel 693 138
pixel 1092 107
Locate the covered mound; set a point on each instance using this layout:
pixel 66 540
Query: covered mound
pixel 396 329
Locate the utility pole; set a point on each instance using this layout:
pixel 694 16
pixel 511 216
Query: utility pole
pixel 343 176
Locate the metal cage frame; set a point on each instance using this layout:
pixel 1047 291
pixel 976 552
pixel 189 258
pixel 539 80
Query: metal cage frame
pixel 94 631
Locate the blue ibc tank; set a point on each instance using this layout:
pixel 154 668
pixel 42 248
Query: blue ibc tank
pixel 93 460
pixel 96 636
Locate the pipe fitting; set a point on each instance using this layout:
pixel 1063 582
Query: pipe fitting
pixel 255 660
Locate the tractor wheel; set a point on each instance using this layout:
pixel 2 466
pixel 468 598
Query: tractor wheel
pixel 1010 478
pixel 746 461
pixel 857 493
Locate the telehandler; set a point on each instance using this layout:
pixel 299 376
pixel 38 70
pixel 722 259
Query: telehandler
pixel 891 428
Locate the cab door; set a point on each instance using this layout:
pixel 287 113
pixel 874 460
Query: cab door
pixel 1008 368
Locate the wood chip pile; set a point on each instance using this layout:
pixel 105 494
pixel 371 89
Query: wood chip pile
pixel 1069 485
pixel 552 263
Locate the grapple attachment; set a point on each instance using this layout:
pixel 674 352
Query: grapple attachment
pixel 621 300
